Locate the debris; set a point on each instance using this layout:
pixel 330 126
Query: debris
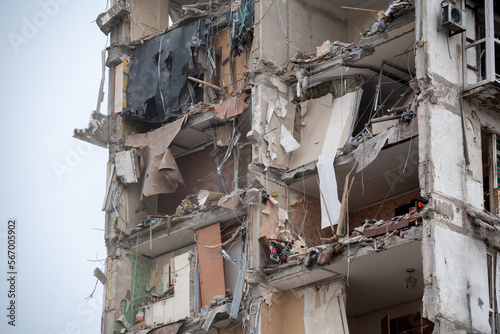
pixel 186 207
pixel 272 148
pixel 298 245
pixel 232 200
pixel 238 291
pixel 383 123
pixel 387 228
pixel 330 204
pixel 281 111
pixel 153 146
pixel 223 135
pixel 197 8
pixel 97 132
pixel 100 275
pixel 168 168
pixel 124 321
pixel 350 145
pixel 325 257
pixel 287 141
pixel 241 27
pixel 296 201
pixel 212 313
pixel 341 227
pixel 325 51
pixel 265 197
pixel 206 196
pixel 280 250
pixel 161 328
pixel 299 254
pixel 107 20
pixel 127 166
pixel 232 106
pixel 362 9
pixel 206 83
pixel 384 16
pixel 368 151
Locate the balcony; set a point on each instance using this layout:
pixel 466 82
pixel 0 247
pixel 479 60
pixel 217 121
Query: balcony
pixel 482 48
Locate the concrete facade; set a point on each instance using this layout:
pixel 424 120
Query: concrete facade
pixel 295 166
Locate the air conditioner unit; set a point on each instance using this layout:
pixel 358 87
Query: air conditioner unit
pixel 453 18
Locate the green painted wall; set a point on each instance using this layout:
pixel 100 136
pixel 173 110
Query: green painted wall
pixel 140 276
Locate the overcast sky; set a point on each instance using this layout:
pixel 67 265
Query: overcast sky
pixel 51 183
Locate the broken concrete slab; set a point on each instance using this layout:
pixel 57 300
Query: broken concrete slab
pixel 205 196
pixel 127 166
pixel 232 200
pixel 369 150
pixel 107 20
pixel 97 132
pixel 212 313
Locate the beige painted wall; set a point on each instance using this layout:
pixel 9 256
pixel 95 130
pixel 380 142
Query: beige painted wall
pixel 148 17
pixel 308 310
pixel 296 25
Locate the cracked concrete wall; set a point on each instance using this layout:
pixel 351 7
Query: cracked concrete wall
pixel 455 270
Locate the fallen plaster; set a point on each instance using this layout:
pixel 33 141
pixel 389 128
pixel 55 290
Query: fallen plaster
pixel 159 177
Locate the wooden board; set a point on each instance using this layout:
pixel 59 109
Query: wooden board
pixel 384 229
pixel 211 264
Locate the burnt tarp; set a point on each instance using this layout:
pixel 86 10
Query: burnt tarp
pixel 158 89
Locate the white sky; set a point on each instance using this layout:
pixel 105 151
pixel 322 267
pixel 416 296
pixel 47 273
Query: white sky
pixel 48 88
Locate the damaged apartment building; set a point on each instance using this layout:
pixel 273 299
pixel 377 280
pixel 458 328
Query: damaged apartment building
pixel 301 166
